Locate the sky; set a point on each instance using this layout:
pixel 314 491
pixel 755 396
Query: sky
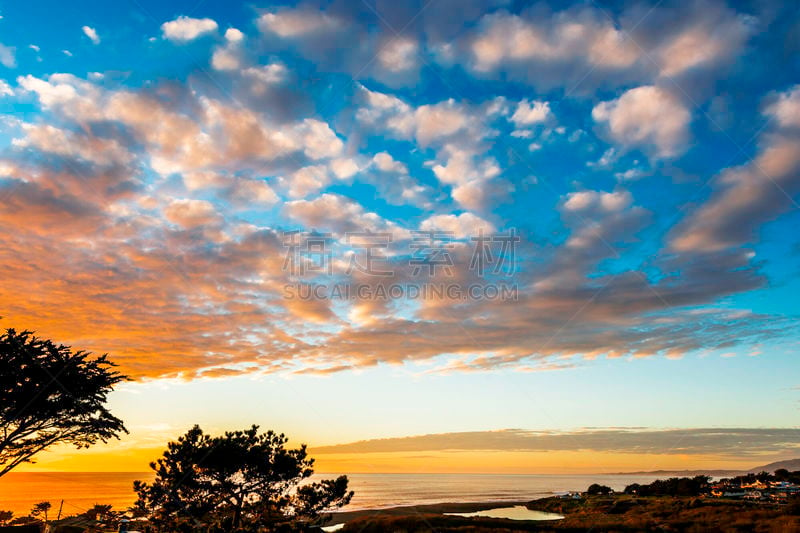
pixel 418 236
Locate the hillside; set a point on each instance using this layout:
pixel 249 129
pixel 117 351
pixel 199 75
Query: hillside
pixel 789 464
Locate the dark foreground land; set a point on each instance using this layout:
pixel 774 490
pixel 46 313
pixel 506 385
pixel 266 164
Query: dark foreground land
pixel 623 513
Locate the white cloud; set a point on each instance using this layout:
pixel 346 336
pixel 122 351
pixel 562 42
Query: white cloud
pixel 427 123
pixel 751 194
pixel 217 137
pixel 5 89
pixel 228 55
pixel 715 37
pixel 386 111
pixel 505 37
pixel 631 174
pixel 386 163
pixel 295 23
pixel 50 139
pixel 522 134
pixel 306 180
pixel 319 140
pixel 336 213
pixel 786 109
pixel 202 180
pixel 59 91
pixel 533 112
pixel 459 132
pixel 439 120
pixel 612 49
pixel 647 115
pixel 344 167
pixel 461 226
pixel 233 35
pixel 313 178
pixel 225 58
pixel 191 213
pixel 269 74
pixel 254 191
pixel 91 33
pixel 471 195
pixel 243 190
pixel 607 159
pixel 583 46
pixel 399 54
pixel 461 167
pixel 498 106
pixel 688 50
pixel 605 201
pixel 7 57
pixel 184 29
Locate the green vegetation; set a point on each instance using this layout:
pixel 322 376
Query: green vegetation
pixel 95 519
pixel 780 475
pixel 670 513
pixel 595 489
pixel 621 513
pixel 40 511
pixel 241 481
pixel 674 504
pixel 51 395
pixel 674 486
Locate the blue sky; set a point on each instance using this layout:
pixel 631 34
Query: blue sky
pixel 153 156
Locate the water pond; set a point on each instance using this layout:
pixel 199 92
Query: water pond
pixel 517 512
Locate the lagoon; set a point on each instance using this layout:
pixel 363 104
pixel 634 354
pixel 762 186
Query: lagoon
pixel 517 512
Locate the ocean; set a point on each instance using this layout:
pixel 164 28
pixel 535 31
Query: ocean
pixel 80 490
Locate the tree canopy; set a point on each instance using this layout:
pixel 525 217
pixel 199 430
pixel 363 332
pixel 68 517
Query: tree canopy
pixel 596 488
pixel 239 481
pixel 49 395
pixel 674 486
pixel 41 510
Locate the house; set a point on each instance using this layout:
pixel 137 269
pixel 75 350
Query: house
pixel 727 491
pixel 785 486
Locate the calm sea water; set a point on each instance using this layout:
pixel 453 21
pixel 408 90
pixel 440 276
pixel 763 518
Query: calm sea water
pixel 81 490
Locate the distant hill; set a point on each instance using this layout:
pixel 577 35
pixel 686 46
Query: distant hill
pixel 680 473
pixel 790 464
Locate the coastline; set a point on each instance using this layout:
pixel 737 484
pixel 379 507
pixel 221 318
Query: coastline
pixel 617 512
pixel 81 490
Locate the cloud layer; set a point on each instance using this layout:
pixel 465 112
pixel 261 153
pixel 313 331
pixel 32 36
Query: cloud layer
pixel 148 218
pixel 741 442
